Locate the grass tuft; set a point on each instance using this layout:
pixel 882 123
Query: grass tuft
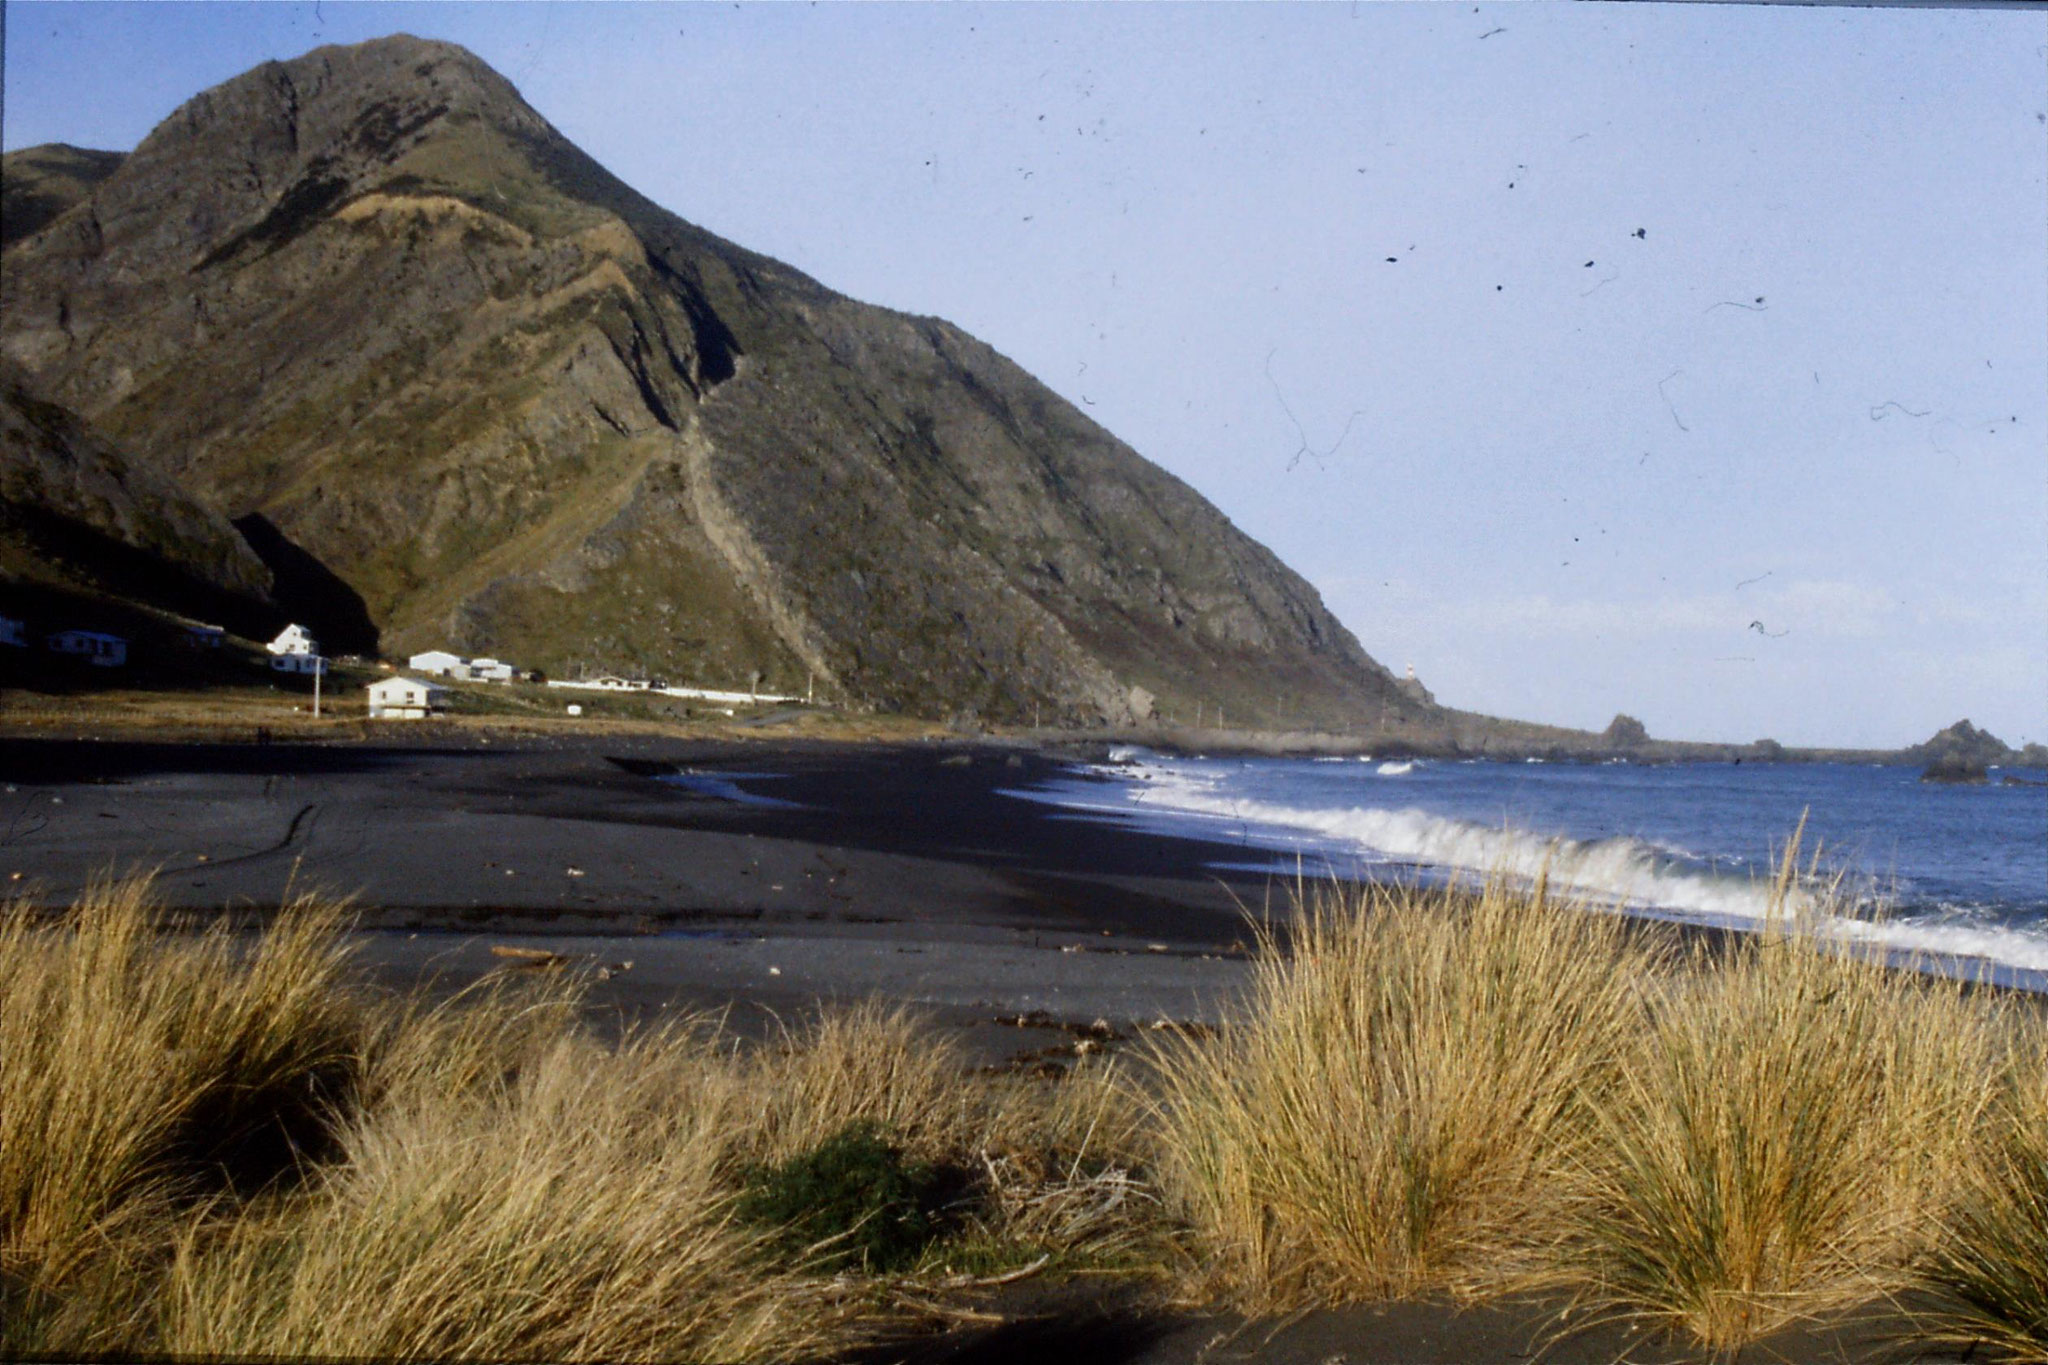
pixel 1988 1266
pixel 141 1070
pixel 1407 1076
pixel 1783 1134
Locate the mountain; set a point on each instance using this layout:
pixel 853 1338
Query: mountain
pixel 430 355
pixel 39 183
pixel 78 515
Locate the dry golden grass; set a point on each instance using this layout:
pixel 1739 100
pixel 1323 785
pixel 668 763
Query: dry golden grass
pixel 1988 1266
pixel 131 1081
pixel 1786 1131
pixel 1390 1114
pixel 576 1208
pixel 213 1146
pixel 1467 1093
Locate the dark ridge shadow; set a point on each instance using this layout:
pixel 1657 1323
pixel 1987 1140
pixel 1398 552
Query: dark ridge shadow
pixel 310 592
pixel 90 557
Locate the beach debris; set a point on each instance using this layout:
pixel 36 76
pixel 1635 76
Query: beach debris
pixel 572 871
pixel 1008 1276
pixel 531 959
pixel 775 971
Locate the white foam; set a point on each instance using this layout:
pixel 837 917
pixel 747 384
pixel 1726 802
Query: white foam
pixel 1395 769
pixel 1664 880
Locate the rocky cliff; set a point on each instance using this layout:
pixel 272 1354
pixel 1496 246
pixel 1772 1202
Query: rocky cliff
pixel 372 306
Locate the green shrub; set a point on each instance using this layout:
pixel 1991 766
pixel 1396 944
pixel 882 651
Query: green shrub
pixel 850 1201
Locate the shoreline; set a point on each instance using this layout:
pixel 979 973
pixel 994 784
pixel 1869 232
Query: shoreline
pixel 491 713
pixel 900 872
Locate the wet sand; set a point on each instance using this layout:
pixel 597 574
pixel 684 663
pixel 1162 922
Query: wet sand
pixel 765 880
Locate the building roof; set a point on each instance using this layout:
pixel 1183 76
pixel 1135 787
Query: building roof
pixel 405 684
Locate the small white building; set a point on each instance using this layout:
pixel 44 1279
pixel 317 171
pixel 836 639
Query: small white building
pixel 13 632
pixel 95 647
pixel 294 640
pixel 404 698
pixel 307 664
pixel 439 662
pixel 492 670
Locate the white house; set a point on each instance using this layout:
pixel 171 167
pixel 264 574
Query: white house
pixel 13 632
pixel 404 698
pixel 439 661
pixel 105 651
pixel 198 636
pixel 307 664
pixel 294 640
pixel 492 670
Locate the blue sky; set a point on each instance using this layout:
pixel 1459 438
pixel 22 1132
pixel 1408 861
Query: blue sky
pixel 1709 380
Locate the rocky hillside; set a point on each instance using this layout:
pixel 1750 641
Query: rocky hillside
pixel 76 514
pixel 39 183
pixel 372 306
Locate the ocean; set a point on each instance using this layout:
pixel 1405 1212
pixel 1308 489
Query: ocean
pixel 1955 876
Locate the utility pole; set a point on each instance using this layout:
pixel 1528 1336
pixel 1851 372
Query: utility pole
pixel 319 667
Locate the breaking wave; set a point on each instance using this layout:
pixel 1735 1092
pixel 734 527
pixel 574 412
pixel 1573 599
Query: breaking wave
pixel 1660 879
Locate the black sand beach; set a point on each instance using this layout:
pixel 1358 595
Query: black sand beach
pixel 899 872
pixel 766 880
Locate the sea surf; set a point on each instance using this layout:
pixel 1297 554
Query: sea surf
pixel 1953 875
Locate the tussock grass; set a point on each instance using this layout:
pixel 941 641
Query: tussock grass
pixel 216 1144
pixel 212 1145
pixel 130 1082
pixel 1988 1266
pixel 1409 1074
pixel 574 1210
pixel 1491 1090
pixel 1783 1136
pixel 865 1063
